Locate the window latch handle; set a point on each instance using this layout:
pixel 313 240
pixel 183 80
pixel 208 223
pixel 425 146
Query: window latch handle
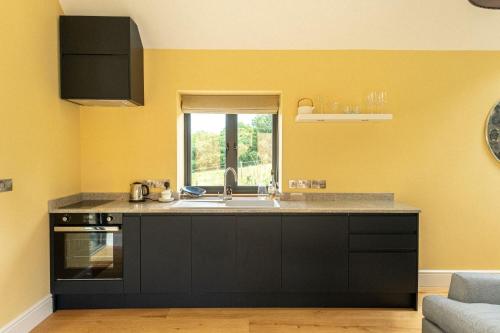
pixel 235 147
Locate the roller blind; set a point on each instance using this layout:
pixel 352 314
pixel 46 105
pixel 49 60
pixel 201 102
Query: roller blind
pixel 230 104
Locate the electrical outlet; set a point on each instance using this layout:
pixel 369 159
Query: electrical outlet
pixel 303 183
pixel 5 185
pixel 156 183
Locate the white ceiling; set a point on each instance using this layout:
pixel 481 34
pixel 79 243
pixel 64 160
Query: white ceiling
pixel 304 24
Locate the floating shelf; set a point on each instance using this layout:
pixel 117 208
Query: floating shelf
pixel 342 117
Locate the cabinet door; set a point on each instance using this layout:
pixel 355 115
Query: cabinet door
pixel 94 35
pixel 379 272
pixel 132 254
pixel 315 253
pixel 95 76
pixel 214 253
pixel 259 253
pixel 165 254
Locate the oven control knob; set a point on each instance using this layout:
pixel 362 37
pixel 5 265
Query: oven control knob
pixel 65 218
pixel 109 218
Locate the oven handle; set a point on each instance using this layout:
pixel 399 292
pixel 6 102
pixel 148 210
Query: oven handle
pixel 86 229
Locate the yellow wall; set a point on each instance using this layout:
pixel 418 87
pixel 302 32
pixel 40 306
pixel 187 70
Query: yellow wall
pixel 432 155
pixel 39 149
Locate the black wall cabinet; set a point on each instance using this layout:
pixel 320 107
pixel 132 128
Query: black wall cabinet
pixel 101 61
pixel 95 35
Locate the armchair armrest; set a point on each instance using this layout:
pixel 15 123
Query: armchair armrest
pixel 475 288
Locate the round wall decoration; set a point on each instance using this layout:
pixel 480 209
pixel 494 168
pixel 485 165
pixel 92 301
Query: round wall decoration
pixel 493 131
pixel 492 4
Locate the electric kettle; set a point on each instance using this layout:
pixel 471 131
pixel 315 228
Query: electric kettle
pixel 138 192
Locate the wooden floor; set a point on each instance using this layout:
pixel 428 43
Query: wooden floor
pixel 255 320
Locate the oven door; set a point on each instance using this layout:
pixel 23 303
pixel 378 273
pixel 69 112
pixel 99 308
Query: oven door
pixel 88 252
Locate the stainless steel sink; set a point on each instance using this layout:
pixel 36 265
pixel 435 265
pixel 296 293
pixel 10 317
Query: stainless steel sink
pixel 218 203
pixel 198 204
pixel 252 203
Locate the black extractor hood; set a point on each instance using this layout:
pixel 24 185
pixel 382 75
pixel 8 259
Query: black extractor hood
pixel 492 4
pixel 101 61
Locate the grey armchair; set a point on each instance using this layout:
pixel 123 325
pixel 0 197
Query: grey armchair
pixel 472 306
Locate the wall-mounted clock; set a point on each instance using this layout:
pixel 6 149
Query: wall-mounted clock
pixel 493 131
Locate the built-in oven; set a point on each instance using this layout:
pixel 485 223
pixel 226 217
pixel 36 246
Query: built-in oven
pixel 88 246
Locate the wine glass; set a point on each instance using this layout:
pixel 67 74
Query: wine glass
pixel 335 106
pixel 371 102
pixel 381 100
pixel 261 190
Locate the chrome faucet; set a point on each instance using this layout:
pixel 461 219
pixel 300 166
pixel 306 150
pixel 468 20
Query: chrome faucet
pixel 225 195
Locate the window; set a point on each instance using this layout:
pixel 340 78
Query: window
pixel 246 142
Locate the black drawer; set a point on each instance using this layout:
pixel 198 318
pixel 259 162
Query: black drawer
pixel 88 287
pixel 383 272
pixel 383 224
pixel 382 242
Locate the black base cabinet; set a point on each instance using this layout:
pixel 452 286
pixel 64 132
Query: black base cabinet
pixel 165 254
pixel 236 254
pixel 315 253
pixel 258 253
pixel 266 260
pixel 214 253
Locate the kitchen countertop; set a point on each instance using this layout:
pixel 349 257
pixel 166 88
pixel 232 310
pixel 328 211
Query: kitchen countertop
pixel 311 206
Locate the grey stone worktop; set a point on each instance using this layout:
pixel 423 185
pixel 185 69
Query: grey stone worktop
pixel 291 203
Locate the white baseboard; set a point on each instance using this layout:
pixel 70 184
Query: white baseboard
pixel 440 279
pixel 30 318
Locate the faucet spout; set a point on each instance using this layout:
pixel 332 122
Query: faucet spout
pixel 225 195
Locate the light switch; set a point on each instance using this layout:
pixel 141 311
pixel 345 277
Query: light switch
pixel 5 185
